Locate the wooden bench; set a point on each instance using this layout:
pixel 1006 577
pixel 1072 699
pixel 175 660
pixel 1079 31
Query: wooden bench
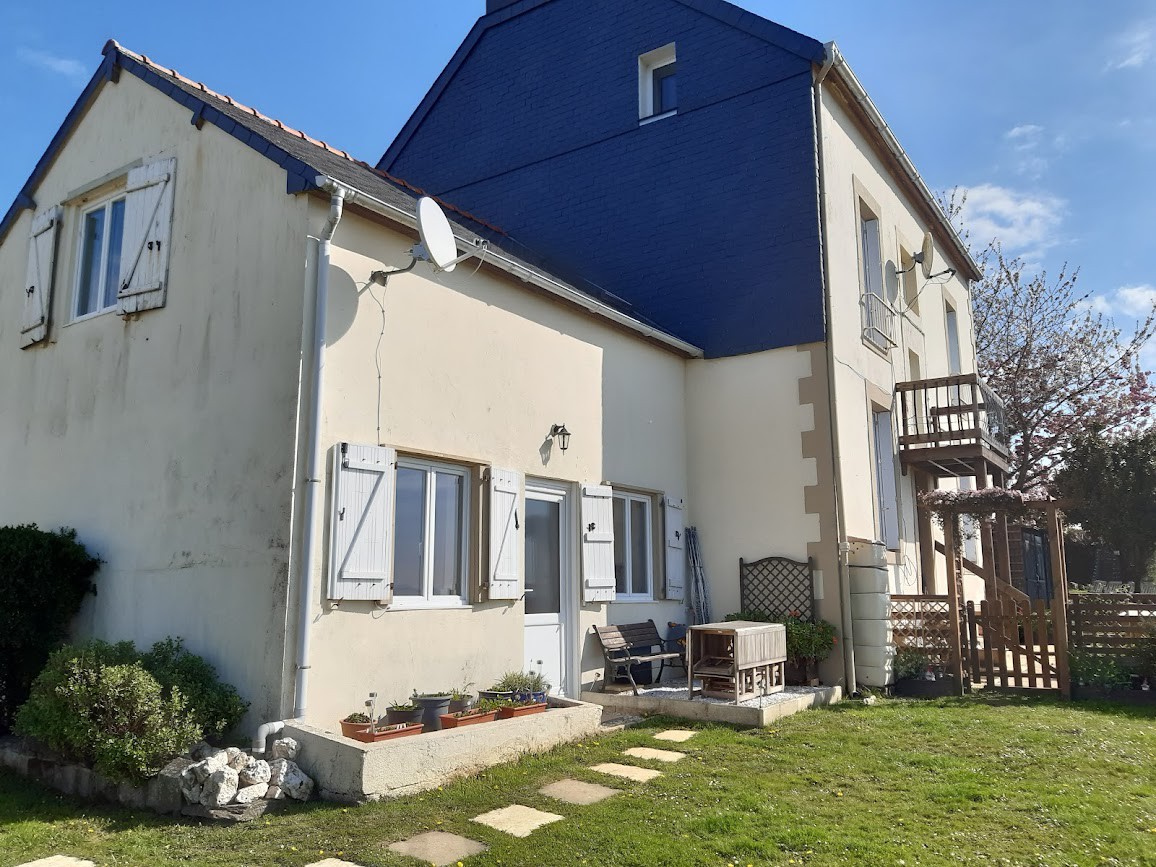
pixel 628 644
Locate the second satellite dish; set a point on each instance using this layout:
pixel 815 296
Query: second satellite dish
pixel 926 256
pixel 438 244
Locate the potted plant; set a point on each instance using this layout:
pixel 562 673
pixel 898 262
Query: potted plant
pixel 523 686
pixel 355 722
pixel 373 734
pixel 484 711
pixel 808 643
pixel 916 676
pixel 461 699
pixel 433 705
pixel 403 712
pixel 520 708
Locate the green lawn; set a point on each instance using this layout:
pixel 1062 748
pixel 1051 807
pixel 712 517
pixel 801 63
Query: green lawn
pixel 969 781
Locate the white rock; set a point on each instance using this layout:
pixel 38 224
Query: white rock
pixel 237 758
pixel 286 748
pixel 274 793
pixel 290 779
pixel 249 794
pixel 256 771
pixel 220 788
pixel 211 764
pixel 190 785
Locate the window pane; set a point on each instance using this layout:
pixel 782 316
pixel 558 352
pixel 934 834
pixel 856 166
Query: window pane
pixel 543 556
pixel 88 291
pixel 620 567
pixel 409 532
pixel 665 88
pixel 115 240
pixel 447 534
pixel 639 549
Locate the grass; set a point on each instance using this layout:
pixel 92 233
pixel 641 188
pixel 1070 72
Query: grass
pixel 982 780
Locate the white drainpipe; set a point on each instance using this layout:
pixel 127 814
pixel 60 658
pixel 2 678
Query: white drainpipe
pixel 850 677
pixel 314 452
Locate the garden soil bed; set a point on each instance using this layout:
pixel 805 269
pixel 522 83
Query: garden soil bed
pixel 1121 695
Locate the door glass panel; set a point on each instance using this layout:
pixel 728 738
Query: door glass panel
pixel 447 576
pixel 409 535
pixel 543 557
pixel 639 553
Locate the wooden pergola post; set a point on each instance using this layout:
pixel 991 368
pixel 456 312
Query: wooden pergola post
pixel 949 542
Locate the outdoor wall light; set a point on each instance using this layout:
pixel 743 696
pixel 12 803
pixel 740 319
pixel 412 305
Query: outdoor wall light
pixel 563 436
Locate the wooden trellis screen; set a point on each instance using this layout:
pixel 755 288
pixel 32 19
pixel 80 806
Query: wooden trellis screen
pixel 923 623
pixel 1010 645
pixel 777 585
pixel 1112 625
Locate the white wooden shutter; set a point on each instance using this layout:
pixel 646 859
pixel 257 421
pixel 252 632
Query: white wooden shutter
pixel 675 547
pixel 39 280
pixel 361 527
pixel 597 543
pixel 507 523
pixel 148 220
pixel 887 500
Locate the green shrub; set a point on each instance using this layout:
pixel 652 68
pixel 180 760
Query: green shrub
pixel 215 706
pixel 44 577
pixel 910 664
pixel 1146 657
pixel 97 704
pixel 1093 669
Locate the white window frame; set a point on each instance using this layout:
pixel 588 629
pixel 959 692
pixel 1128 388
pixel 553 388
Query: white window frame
pixel 105 204
pixel 648 64
pixel 878 314
pixel 628 497
pixel 951 331
pixel 432 469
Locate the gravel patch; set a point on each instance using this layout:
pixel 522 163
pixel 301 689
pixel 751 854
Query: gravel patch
pixel 677 690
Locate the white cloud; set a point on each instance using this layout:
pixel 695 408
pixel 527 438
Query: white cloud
pixel 1026 224
pixel 70 69
pixel 1132 50
pixel 1136 301
pixel 1026 134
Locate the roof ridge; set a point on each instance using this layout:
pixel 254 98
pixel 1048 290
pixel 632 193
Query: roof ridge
pixel 201 86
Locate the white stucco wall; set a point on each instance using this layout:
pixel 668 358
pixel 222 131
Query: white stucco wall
pixel 477 368
pixel 166 440
pixel 863 375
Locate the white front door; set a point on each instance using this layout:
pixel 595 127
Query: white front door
pixel 549 583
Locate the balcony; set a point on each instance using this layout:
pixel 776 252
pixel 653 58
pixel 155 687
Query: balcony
pixel 954 426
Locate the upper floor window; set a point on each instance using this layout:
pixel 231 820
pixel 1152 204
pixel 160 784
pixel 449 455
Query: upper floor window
pixel 658 82
pixel 877 312
pixel 100 243
pixel 951 323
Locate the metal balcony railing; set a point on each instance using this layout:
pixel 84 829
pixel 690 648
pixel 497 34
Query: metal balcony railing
pixel 878 322
pixel 951 412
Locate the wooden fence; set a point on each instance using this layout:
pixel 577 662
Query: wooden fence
pixel 923 623
pixel 1111 625
pixel 1010 646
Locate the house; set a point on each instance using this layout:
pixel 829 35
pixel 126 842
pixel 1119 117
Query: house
pixel 335 470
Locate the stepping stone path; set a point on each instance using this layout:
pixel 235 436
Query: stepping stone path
pixel 627 772
pixel 678 736
pixel 59 861
pixel 655 755
pixel 517 820
pixel 577 792
pixel 438 847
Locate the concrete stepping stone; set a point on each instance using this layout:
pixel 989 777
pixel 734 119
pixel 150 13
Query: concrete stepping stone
pixel 654 755
pixel 332 862
pixel 438 847
pixel 517 820
pixel 627 772
pixel 678 736
pixel 577 792
pixel 59 861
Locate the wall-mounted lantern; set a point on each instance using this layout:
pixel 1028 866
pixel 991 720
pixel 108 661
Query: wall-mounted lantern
pixel 563 436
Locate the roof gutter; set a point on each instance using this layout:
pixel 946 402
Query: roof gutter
pixel 522 272
pixel 838 65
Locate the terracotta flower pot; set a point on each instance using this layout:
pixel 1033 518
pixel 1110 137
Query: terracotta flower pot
pixel 349 729
pixel 449 721
pixel 388 733
pixel 525 710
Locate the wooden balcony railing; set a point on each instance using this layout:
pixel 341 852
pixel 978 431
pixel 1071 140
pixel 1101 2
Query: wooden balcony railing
pixel 948 425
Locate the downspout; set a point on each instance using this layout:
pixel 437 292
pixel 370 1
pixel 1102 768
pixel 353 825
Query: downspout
pixel 314 451
pixel 850 680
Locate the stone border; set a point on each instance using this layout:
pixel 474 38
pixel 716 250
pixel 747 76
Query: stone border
pixel 706 711
pixel 353 772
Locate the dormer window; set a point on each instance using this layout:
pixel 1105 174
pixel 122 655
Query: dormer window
pixel 658 83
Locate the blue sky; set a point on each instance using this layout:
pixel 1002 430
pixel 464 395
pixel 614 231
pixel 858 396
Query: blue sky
pixel 1046 111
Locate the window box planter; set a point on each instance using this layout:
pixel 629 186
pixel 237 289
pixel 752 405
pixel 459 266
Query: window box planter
pixel 917 687
pixel 450 721
pixel 524 710
pixel 388 733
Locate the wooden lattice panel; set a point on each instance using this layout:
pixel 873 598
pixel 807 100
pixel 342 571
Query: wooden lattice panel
pixel 1111 625
pixel 778 585
pixel 923 623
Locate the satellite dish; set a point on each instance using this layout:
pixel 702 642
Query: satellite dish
pixel 438 244
pixel 926 257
